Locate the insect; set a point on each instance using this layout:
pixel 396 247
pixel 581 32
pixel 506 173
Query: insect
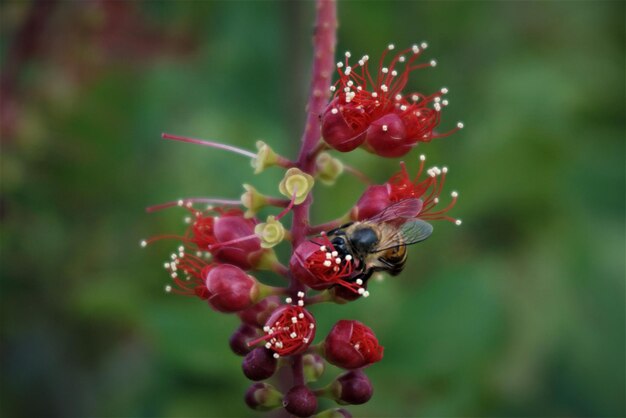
pixel 379 243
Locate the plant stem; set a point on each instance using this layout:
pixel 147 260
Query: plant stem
pixel 324 40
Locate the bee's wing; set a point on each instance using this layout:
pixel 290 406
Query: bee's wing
pixel 410 232
pixel 404 209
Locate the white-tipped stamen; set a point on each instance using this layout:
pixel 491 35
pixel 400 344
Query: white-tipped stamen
pixel 460 125
pixel 288 300
pixel 433 63
pixel 458 222
pixel 143 243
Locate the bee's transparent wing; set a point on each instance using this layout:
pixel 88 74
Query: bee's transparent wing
pixel 410 232
pixel 400 211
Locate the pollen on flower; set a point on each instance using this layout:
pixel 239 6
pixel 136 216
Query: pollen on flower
pixel 328 266
pixel 288 331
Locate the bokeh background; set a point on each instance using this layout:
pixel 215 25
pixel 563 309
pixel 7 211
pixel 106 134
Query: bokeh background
pixel 519 312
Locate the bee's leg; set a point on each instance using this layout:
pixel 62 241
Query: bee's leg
pixel 364 275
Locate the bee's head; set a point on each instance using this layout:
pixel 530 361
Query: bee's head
pixel 363 240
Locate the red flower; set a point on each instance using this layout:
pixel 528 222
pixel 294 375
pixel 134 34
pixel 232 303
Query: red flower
pixel 371 110
pixel 224 233
pixel 317 264
pixel 400 186
pixel 290 330
pixel 352 345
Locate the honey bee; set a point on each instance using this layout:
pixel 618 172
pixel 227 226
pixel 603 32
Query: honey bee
pixel 379 243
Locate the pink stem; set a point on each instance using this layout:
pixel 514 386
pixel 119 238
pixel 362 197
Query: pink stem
pixel 210 144
pixel 324 40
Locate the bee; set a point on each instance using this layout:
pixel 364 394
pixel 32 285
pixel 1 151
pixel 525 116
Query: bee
pixel 379 243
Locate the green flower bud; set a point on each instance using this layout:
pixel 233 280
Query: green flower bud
pixel 314 367
pixel 252 200
pixel 328 168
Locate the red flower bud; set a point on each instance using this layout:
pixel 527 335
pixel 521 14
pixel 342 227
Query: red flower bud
pixel 259 364
pixel 353 388
pixel 300 401
pixel 338 132
pixel 230 288
pixel 317 264
pixel 227 230
pixel 238 341
pixel 387 137
pixel 257 314
pixel 352 345
pixel 373 201
pixel 289 330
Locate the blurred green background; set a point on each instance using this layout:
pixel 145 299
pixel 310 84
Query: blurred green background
pixel 519 312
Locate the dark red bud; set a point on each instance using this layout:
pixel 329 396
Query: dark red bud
pixel 259 364
pixel 353 388
pixel 239 339
pixel 373 201
pixel 337 132
pixel 387 137
pixel 242 253
pixel 230 288
pixel 257 314
pixel 300 401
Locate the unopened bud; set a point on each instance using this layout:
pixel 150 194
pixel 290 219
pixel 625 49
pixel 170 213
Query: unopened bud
pixel 296 182
pixel 263 397
pixel 300 401
pixel 328 168
pixel 353 388
pixel 259 364
pixel 314 367
pixel 239 339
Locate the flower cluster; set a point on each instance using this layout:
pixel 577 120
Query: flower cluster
pixel 370 109
pixel 226 243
